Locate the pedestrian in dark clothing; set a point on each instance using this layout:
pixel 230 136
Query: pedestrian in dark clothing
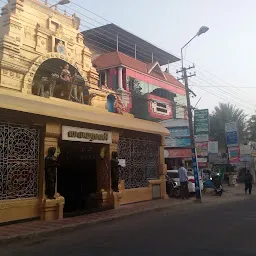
pixel 248 179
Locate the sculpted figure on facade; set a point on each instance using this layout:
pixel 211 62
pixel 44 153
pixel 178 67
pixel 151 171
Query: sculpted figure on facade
pixel 75 82
pixel 45 87
pixel 51 164
pixel 76 21
pixel 119 105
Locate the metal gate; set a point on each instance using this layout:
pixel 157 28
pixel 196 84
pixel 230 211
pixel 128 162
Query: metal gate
pixel 142 161
pixel 19 161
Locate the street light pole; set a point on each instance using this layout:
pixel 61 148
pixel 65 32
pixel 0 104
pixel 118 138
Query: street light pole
pixel 191 128
pixel 61 2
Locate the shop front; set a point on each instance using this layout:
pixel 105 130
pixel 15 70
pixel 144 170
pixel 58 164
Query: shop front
pixel 173 157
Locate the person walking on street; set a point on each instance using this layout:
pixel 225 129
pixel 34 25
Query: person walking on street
pixel 248 179
pixel 183 176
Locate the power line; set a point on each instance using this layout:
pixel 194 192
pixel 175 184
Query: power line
pixel 99 23
pixel 221 96
pixel 232 94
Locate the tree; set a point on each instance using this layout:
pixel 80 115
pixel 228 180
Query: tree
pixel 134 86
pixel 222 114
pixel 251 128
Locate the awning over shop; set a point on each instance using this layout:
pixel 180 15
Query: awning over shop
pixel 63 109
pixel 178 153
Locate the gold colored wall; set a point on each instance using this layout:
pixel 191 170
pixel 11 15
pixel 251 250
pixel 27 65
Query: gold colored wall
pixel 11 210
pixel 29 30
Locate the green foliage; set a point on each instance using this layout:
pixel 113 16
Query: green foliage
pixel 251 128
pixel 222 114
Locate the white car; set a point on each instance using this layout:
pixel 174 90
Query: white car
pixel 191 180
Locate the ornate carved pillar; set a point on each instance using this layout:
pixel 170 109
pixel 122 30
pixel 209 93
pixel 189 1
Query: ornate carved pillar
pixel 106 78
pixel 114 148
pixel 120 78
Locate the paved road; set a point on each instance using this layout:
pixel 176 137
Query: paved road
pixel 221 230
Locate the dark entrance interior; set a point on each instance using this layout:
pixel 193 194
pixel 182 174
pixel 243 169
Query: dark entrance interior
pixel 77 177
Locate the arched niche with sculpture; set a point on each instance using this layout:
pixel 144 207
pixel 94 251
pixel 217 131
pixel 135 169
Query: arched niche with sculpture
pixel 58 78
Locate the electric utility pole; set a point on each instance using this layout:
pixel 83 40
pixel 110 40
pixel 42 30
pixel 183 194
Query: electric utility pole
pixel 191 128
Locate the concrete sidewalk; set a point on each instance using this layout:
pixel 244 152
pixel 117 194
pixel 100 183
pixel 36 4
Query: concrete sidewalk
pixel 33 229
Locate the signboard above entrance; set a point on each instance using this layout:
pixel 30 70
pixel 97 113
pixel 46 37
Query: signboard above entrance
pixel 86 135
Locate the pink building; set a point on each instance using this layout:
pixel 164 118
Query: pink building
pixel 133 70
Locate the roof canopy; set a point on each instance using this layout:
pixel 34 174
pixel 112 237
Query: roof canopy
pixel 110 37
pixel 63 109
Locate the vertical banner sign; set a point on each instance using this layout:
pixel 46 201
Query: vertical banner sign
pixel 234 154
pixel 231 134
pixel 196 176
pixel 201 125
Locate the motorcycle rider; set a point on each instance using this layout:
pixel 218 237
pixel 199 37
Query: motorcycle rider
pixel 217 183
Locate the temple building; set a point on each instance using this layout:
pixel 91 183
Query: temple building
pixel 61 133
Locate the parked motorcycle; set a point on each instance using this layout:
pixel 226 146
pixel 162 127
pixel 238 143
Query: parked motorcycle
pixel 172 187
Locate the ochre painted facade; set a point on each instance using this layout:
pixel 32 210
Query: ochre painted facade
pixel 29 36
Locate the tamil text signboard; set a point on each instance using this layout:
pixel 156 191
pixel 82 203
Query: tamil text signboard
pixel 201 125
pixel 231 134
pixel 86 135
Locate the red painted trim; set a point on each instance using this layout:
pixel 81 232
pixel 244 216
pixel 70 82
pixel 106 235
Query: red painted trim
pixel 158 115
pixel 151 80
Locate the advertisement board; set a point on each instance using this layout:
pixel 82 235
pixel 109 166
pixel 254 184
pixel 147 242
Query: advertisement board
pixel 202 162
pixel 201 125
pixel 178 153
pixel 217 159
pixel 231 134
pixel 177 142
pixel 245 149
pixel 234 154
pixel 177 132
pixel 202 149
pixel 213 147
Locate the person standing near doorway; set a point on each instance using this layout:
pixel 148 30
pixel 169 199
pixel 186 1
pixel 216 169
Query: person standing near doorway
pixel 248 179
pixel 183 176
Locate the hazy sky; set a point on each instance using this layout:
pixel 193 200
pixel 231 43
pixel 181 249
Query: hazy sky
pixel 227 50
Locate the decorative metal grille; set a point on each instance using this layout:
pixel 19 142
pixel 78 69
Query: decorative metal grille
pixel 142 161
pixel 19 161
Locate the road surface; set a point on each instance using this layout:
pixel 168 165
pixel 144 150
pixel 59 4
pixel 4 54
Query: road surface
pixel 226 229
